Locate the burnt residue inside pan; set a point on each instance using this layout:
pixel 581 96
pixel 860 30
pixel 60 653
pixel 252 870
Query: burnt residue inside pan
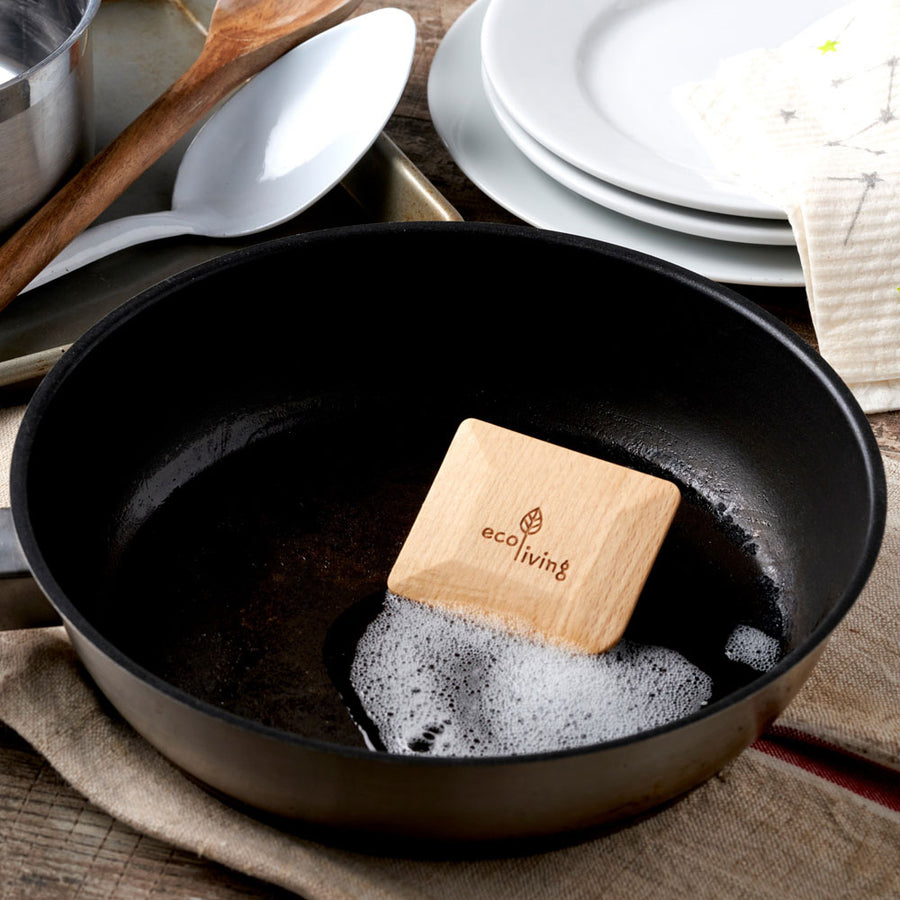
pixel 261 571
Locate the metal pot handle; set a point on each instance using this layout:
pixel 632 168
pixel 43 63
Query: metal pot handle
pixel 22 603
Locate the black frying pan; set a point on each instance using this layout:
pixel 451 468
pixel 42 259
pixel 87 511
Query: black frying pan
pixel 212 486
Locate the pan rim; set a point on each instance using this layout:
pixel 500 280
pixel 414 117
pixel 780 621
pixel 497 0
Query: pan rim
pixel 75 34
pixel 775 329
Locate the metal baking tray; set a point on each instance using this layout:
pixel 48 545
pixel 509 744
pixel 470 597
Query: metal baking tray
pixel 140 47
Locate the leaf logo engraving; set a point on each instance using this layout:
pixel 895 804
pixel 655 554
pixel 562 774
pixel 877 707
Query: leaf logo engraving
pixel 531 522
pixel 541 560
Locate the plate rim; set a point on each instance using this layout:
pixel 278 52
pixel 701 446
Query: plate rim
pixel 687 220
pixel 479 147
pixel 526 89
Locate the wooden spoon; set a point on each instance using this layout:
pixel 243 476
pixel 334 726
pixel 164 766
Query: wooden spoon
pixel 244 37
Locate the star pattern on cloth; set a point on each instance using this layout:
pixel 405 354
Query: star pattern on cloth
pixel 869 180
pixel 813 126
pixel 884 116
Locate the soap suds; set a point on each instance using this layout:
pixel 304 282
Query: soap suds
pixel 753 647
pixel 445 685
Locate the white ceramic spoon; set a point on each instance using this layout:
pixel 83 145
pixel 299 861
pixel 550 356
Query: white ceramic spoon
pixel 279 144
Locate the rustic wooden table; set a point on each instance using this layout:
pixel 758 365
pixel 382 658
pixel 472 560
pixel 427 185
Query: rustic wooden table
pixel 55 844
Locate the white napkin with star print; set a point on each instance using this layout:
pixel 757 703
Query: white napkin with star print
pixel 814 125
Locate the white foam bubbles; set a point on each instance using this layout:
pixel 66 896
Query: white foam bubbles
pixel 752 647
pixel 445 685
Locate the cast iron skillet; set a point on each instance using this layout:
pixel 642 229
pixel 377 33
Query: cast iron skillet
pixel 213 484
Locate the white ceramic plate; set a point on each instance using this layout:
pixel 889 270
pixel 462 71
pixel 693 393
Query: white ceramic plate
pixel 467 126
pixel 592 81
pixel 744 229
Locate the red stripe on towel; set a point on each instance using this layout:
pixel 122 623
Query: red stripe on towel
pixel 853 773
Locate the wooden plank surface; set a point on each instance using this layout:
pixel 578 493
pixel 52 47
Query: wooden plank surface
pixel 53 844
pixel 56 845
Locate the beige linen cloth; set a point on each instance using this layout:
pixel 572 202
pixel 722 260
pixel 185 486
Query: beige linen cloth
pixel 814 126
pixel 765 827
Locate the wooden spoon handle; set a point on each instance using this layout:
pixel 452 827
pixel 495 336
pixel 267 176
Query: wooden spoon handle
pixel 107 176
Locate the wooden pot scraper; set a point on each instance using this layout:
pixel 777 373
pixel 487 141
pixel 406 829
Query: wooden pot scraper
pixel 535 537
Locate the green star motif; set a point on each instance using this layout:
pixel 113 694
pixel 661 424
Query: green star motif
pixel 829 47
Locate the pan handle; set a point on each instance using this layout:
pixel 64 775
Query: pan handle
pixel 22 603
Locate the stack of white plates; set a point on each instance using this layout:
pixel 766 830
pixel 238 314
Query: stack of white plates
pixel 563 112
